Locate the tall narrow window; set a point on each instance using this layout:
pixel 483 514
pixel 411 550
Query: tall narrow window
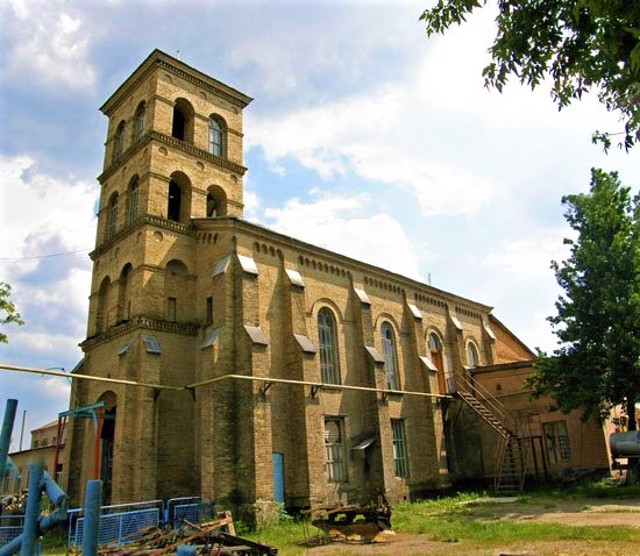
pixel 112 216
pixel 435 352
pixel 209 317
pixel 183 117
pixel 216 137
pixel 132 209
pixel 172 310
pixel 390 357
pixel 334 449
pixel 138 125
pixel 174 202
pixel 472 355
pixel 557 442
pixel 118 147
pixel 329 361
pixel 400 461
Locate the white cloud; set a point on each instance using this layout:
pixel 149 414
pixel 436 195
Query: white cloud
pixel 332 222
pixel 49 45
pixel 530 258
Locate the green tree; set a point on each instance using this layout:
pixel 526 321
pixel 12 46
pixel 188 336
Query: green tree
pixel 582 45
pixel 597 363
pixel 8 313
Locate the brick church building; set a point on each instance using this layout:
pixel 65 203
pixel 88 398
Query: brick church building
pixel 251 367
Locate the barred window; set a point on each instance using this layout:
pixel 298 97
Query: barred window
pixel 557 442
pixel 132 209
pixel 329 361
pixel 399 448
pixel 334 450
pixel 112 216
pixel 390 356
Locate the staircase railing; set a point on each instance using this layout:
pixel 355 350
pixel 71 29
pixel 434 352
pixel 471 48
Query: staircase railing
pixel 510 445
pixel 488 401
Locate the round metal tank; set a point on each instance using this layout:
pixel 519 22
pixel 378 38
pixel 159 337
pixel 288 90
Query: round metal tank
pixel 625 444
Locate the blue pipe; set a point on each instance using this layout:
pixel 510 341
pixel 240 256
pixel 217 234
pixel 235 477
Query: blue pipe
pixel 34 499
pixel 186 550
pixel 93 501
pixel 5 435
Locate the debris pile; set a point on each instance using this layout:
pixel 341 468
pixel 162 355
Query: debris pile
pixel 370 522
pixel 215 537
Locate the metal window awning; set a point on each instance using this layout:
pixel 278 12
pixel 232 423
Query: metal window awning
pixel 364 444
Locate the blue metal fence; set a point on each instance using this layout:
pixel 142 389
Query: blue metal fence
pixel 192 509
pixel 10 527
pixel 119 523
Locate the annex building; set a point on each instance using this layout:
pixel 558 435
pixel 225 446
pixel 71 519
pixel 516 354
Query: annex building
pixel 255 368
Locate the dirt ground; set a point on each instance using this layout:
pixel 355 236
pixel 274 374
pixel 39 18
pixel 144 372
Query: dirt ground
pixel 584 513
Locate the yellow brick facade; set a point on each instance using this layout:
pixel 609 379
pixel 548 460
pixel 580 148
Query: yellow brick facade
pixel 185 294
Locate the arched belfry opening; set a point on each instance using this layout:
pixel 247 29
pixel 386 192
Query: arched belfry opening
pixel 107 442
pixel 216 201
pixel 124 294
pixel 182 125
pixel 179 198
pixel 175 201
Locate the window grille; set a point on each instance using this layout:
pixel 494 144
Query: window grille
pixel 399 448
pixel 329 361
pixel 390 357
pixel 334 447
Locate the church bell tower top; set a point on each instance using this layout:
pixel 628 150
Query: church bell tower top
pixel 161 60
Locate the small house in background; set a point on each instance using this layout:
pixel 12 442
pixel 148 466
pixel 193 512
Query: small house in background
pixel 43 447
pixel 541 445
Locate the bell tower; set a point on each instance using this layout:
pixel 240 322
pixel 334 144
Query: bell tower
pixel 173 155
pixel 173 152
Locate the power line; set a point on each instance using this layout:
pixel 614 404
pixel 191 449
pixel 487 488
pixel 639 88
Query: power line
pixel 44 256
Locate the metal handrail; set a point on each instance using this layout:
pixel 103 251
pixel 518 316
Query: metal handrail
pixel 494 405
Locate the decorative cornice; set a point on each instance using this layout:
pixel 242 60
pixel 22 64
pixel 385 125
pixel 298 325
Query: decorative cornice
pixel 157 221
pixel 238 99
pixel 191 149
pixel 147 323
pixel 158 59
pixel 175 143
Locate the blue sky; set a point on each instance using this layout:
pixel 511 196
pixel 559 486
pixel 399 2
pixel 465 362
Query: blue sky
pixel 365 137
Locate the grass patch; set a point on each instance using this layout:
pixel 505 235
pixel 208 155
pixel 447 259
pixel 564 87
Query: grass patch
pixel 471 517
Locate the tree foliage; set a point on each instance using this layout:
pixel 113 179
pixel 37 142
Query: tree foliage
pixel 8 312
pixel 582 45
pixel 597 363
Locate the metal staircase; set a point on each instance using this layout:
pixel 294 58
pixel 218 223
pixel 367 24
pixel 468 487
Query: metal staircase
pixel 512 449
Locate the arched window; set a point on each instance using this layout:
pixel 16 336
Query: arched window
pixel 138 122
pixel 472 355
pixel 182 126
pixel 118 147
pixel 112 216
pixel 179 292
pixel 328 340
pixel 390 356
pixel 435 352
pixel 132 200
pixel 103 306
pixel 216 136
pixel 124 294
pixel 216 202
